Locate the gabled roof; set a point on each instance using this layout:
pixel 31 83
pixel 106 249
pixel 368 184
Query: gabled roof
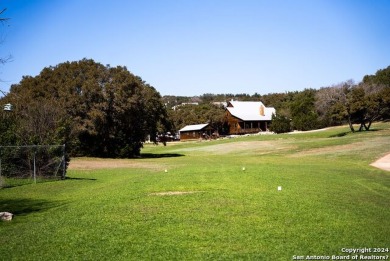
pixel 250 111
pixel 195 127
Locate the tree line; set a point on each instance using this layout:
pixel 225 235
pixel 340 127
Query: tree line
pixel 343 103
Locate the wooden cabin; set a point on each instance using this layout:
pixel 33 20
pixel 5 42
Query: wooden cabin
pixel 196 132
pixel 245 117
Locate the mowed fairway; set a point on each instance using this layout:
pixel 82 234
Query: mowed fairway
pixel 206 207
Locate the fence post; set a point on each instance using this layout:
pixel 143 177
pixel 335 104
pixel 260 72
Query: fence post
pixel 63 162
pixel 1 180
pixel 24 158
pixel 35 170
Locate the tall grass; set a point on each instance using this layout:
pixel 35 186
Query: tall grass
pixel 331 198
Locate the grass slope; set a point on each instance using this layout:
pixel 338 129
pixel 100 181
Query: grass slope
pixel 331 199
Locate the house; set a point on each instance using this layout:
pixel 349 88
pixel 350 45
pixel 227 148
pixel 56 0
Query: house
pixel 184 104
pixel 194 132
pixel 220 104
pixel 243 117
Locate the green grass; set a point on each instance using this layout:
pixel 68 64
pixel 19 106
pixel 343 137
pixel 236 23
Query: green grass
pixel 331 199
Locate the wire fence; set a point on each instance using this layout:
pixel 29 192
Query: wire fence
pixel 31 164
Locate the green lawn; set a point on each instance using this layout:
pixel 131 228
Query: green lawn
pixel 331 198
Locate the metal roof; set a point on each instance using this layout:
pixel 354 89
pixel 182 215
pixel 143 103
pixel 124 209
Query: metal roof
pixel 250 111
pixel 195 127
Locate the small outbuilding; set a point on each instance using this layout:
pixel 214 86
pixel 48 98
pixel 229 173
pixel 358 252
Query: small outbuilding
pixel 195 132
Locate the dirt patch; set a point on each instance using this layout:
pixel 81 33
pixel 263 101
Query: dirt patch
pixel 173 193
pixel 382 163
pixel 317 130
pixel 329 149
pixel 258 147
pixel 96 163
pixel 359 147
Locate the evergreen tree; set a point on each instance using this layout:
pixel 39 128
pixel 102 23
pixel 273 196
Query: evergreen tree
pixel 303 113
pixel 280 124
pixel 97 110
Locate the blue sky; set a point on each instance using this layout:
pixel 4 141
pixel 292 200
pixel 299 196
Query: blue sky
pixel 192 47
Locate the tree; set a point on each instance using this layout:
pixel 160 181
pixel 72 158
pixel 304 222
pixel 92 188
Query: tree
pixel 303 113
pixel 360 104
pixel 280 123
pixel 381 77
pixel 378 88
pixel 41 122
pixel 330 104
pixel 370 100
pixel 102 111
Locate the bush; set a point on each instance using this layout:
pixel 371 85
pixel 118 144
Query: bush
pixel 280 124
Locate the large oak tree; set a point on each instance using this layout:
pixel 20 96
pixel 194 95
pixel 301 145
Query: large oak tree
pixel 96 110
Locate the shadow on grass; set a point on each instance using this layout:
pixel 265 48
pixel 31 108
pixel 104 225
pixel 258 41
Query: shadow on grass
pixel 17 182
pixel 70 178
pixel 156 156
pixel 23 206
pixel 341 134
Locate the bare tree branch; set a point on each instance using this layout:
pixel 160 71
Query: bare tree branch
pixel 8 58
pixel 2 19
